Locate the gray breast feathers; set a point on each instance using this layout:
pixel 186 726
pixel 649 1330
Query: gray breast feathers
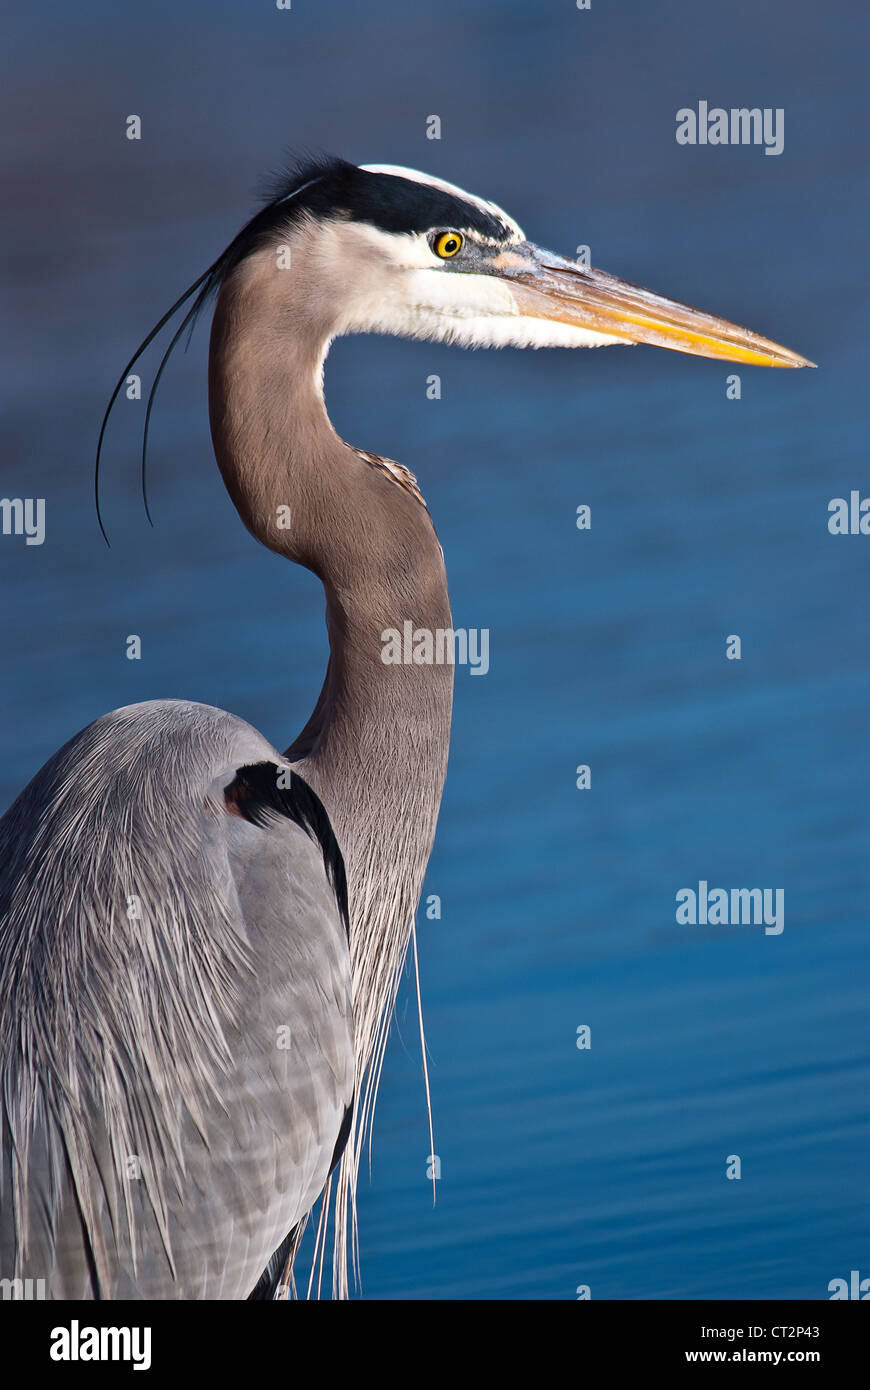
pixel 175 1022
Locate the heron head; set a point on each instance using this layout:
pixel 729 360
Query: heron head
pixel 381 249
pixel 399 252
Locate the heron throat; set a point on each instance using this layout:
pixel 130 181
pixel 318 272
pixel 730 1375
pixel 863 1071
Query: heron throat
pixel 375 746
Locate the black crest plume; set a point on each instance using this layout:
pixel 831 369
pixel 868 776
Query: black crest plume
pixel 280 209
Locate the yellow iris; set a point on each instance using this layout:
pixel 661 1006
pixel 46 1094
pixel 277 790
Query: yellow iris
pixel 447 244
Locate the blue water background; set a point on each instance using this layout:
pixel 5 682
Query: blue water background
pixel 559 1167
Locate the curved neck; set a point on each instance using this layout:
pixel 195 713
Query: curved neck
pixel 375 747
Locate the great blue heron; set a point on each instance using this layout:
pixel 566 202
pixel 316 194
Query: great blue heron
pixel 192 993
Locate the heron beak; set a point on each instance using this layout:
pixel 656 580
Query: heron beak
pixel 546 286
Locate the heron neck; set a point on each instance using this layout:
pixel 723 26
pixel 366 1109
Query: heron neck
pixel 375 747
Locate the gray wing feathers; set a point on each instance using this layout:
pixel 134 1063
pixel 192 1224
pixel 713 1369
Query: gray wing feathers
pixel 175 1027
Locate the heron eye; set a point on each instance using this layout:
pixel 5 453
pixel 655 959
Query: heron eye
pixel 447 244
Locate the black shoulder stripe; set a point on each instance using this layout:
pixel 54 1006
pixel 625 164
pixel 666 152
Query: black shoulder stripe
pixel 256 794
pixel 343 1135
